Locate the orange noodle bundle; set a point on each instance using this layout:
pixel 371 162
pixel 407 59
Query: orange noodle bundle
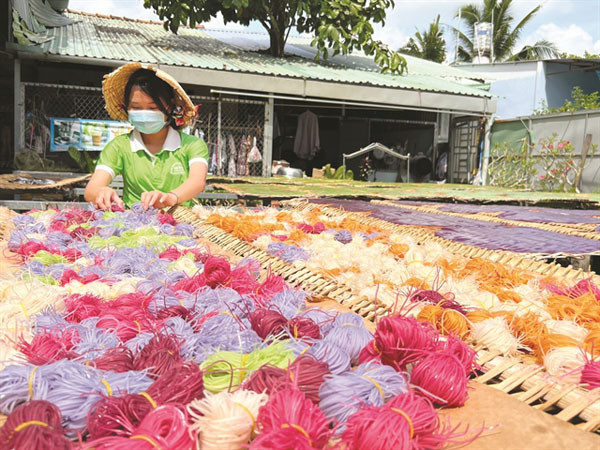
pixel 446 321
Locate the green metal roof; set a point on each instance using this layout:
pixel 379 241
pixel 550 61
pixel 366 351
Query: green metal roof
pixel 113 38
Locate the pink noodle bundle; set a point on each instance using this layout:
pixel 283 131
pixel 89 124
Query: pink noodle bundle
pixel 272 285
pixel 191 284
pixel 291 421
pixel 590 374
pixel 581 288
pixel 161 355
pixel 181 384
pixel 465 354
pixel 71 275
pixel 217 271
pixel 400 341
pixel 176 311
pixel 29 249
pixel 80 307
pixel 242 280
pixel 405 422
pixel 267 322
pixel 166 218
pixel 117 416
pixel 34 425
pixel 117 359
pixel 124 326
pixel 305 374
pixel 442 379
pixel 304 328
pixel 50 346
pixel 173 253
pixel 317 228
pixel 164 427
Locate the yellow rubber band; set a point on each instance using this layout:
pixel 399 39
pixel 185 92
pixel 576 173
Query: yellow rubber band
pixel 181 303
pixel 247 412
pixel 242 371
pixel 298 428
pixel 22 305
pixel 30 423
pixel 295 331
pixel 30 384
pixel 150 399
pixel 410 424
pixel 139 327
pixel 304 351
pixel 145 438
pixel 108 388
pixel 348 325
pixel 376 384
pixel 416 261
pixel 375 348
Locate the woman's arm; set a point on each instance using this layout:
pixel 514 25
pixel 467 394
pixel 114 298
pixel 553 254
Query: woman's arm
pixel 191 187
pixel 98 192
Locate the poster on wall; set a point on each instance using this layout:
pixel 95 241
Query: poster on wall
pixel 84 134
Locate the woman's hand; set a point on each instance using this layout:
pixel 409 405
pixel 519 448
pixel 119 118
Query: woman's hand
pixel 106 197
pixel 158 199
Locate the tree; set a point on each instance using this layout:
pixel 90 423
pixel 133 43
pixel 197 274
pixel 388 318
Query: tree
pixel 505 36
pixel 339 26
pixel 429 45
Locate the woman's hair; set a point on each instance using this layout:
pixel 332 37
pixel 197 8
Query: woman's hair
pixel 159 90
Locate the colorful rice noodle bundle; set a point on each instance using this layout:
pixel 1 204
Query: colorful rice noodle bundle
pixel 291 421
pixel 226 420
pixel 36 424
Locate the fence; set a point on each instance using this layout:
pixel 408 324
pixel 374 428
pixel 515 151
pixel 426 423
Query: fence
pixel 573 127
pixel 229 126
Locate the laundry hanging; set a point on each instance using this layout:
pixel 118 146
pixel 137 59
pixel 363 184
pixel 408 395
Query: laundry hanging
pixel 306 143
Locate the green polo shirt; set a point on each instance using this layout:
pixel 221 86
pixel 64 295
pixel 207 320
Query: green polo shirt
pixel 142 171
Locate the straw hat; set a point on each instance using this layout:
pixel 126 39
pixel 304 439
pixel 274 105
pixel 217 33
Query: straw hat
pixel 113 88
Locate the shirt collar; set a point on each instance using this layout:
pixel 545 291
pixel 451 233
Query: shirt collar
pixel 172 142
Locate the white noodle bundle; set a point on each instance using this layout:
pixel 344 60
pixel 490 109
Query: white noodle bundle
pixel 225 421
pixel 566 363
pixel 567 328
pixel 495 335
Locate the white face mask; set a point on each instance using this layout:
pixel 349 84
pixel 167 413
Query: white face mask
pixel 147 121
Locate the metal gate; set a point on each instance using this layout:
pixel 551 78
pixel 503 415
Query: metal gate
pixel 466 135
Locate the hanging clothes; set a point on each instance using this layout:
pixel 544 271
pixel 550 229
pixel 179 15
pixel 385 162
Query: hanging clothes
pixel 242 157
pixel 306 143
pixel 231 170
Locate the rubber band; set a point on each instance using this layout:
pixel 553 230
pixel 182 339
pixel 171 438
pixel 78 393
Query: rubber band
pixel 150 399
pixel 30 384
pixel 348 325
pixel 416 261
pixel 145 438
pixel 304 351
pixel 410 424
pixel 30 423
pixel 22 305
pixel 242 372
pixel 108 388
pixel 376 384
pixel 375 348
pixel 139 327
pixel 247 412
pixel 295 331
pixel 298 428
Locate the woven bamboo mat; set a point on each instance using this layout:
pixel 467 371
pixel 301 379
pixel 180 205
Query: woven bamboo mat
pixel 7 182
pixel 314 284
pixel 530 383
pixel 531 262
pixel 556 228
pixel 507 375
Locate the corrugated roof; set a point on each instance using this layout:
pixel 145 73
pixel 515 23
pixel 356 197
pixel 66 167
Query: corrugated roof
pixel 115 38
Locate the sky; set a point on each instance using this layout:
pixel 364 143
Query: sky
pixel 573 25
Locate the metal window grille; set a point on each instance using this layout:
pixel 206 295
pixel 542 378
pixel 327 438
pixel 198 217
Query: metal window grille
pixel 231 128
pixel 228 126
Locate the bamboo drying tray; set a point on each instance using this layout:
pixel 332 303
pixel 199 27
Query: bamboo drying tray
pixel 556 228
pixel 7 183
pixel 532 262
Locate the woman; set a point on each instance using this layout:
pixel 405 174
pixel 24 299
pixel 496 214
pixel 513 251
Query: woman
pixel 161 166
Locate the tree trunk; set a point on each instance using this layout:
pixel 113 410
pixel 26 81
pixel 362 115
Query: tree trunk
pixel 277 43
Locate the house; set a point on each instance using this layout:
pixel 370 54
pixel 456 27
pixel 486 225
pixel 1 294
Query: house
pixel 522 87
pixel 244 92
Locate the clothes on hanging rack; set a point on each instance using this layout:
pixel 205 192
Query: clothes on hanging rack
pixel 231 169
pixel 306 143
pixel 242 157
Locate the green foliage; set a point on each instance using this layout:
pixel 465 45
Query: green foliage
pixel 83 159
pixel 579 101
pixel 338 174
pixel 511 167
pixel 561 167
pixel 586 55
pixel 430 45
pixel 339 26
pixel 505 35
